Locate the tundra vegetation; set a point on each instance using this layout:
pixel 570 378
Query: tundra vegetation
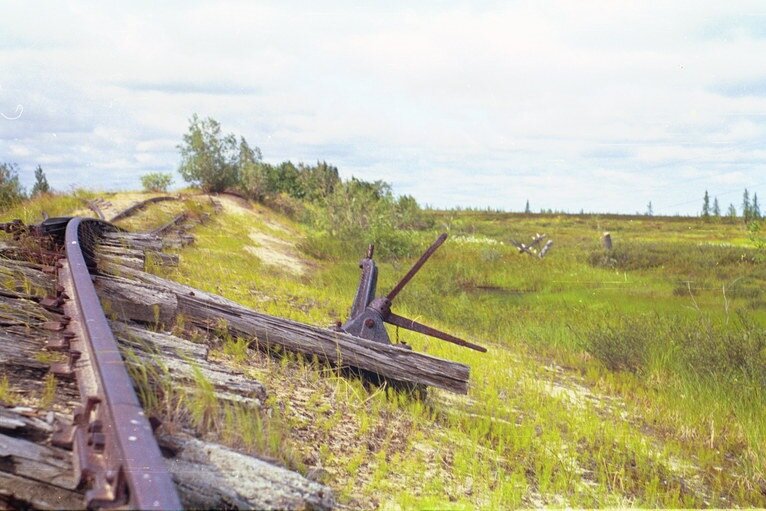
pixel 627 377
pixel 633 377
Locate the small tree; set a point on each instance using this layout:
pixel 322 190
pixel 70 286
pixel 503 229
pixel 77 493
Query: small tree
pixel 209 159
pixel 11 191
pixel 527 210
pixel 41 182
pixel 706 206
pixel 754 234
pixel 716 208
pixel 755 208
pixel 156 182
pixel 286 178
pixel 746 207
pixel 255 177
pixel 649 209
pixel 732 212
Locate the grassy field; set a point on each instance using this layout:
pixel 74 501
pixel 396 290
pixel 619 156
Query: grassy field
pixel 634 377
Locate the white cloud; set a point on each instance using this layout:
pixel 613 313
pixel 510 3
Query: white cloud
pixel 454 103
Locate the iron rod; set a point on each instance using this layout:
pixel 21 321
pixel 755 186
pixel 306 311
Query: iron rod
pixel 416 267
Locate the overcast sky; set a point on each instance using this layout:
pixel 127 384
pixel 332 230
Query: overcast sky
pixel 602 106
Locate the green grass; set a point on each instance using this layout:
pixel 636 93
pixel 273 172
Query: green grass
pixel 606 384
pixel 31 211
pixel 630 378
pixel 8 396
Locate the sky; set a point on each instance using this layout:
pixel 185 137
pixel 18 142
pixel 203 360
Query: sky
pixel 595 106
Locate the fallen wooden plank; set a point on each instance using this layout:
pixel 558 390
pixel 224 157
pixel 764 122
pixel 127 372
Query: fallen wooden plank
pixel 160 231
pixel 183 362
pixel 146 241
pixel 386 360
pixel 36 475
pixel 18 492
pixel 207 310
pixel 33 475
pixel 207 475
pixel 93 206
pixel 211 476
pixel 134 240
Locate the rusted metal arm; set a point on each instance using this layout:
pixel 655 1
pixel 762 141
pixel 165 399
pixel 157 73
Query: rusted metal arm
pixel 416 267
pixel 413 325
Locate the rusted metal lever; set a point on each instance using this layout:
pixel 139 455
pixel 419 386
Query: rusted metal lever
pixel 416 267
pixel 413 325
pixel 368 314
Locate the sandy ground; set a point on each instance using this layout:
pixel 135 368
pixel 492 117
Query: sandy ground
pixel 269 249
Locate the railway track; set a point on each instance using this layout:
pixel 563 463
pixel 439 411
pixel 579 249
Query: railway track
pixel 116 460
pixel 116 456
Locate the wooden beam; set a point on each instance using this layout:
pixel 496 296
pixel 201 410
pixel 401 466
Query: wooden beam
pixel 206 310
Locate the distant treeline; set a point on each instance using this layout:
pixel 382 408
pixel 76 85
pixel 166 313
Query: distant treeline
pixel 751 210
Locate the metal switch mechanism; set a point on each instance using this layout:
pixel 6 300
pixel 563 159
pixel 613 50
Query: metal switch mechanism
pixel 368 313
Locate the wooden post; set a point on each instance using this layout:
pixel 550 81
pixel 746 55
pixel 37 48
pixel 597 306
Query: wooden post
pixel 606 239
pixel 546 248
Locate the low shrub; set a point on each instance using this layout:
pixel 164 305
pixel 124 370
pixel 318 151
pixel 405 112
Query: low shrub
pixel 291 207
pixel 677 258
pixel 156 182
pixel 360 211
pixel 622 346
pixel 734 347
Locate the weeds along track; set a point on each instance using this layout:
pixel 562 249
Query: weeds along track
pixel 115 452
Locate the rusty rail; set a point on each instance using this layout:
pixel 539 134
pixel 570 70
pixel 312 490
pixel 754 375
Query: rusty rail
pixel 115 453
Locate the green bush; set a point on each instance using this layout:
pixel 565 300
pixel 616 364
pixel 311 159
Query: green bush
pixel 288 206
pixel 734 347
pixel 11 191
pixel 255 181
pixel 676 258
pixel 622 346
pixel 368 212
pixel 318 182
pixel 755 235
pixel 260 181
pixel 156 182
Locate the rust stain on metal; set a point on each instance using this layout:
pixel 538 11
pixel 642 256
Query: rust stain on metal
pixel 115 453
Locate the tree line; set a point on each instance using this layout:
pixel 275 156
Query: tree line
pixel 751 209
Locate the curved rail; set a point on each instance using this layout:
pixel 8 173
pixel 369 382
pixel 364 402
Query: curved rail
pixel 116 453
